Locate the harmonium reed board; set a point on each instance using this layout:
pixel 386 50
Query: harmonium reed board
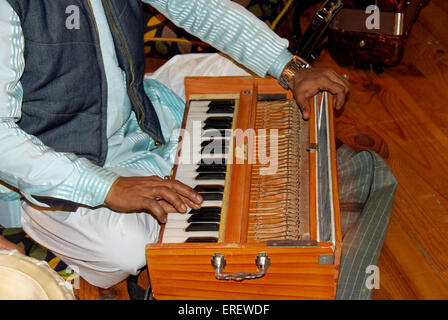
pixel 269 226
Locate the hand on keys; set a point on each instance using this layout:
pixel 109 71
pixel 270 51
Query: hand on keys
pixel 151 194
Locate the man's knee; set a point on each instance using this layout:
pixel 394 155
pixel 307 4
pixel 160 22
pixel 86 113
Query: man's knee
pixel 126 251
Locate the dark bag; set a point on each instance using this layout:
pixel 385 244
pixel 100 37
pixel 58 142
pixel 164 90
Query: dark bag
pixel 363 36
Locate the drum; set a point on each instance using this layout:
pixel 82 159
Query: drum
pixel 26 278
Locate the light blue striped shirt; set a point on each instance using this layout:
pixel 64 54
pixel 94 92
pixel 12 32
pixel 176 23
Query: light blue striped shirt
pixel 30 167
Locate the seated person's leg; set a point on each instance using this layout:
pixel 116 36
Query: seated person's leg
pixel 103 246
pixel 366 188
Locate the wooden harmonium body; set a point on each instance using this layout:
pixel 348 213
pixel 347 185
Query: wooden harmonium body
pixel 269 226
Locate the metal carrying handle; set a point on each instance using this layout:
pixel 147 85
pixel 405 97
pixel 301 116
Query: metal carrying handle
pixel 219 263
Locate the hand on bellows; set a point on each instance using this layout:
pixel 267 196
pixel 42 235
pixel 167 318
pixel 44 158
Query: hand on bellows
pixel 308 82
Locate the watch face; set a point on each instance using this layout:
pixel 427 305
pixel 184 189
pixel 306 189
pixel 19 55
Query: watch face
pixel 294 65
pixel 302 63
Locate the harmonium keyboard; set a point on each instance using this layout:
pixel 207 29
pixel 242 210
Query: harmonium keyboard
pixel 269 226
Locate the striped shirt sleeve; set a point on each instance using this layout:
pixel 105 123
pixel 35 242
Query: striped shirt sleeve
pixel 26 164
pixel 232 29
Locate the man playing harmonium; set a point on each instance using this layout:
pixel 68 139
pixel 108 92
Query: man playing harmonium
pixel 85 139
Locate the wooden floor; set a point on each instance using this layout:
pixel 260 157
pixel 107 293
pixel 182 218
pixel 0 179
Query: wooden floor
pixel 405 113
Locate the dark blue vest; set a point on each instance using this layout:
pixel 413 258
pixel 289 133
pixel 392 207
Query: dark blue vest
pixel 64 83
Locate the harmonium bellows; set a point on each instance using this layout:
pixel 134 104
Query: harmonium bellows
pixel 269 226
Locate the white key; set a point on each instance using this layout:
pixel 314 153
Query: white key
pixel 174 231
pixel 174 236
pixel 177 217
pixel 193 183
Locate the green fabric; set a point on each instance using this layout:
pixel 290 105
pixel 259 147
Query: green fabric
pixel 157 26
pixel 34 250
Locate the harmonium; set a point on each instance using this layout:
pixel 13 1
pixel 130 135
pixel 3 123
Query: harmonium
pixel 269 226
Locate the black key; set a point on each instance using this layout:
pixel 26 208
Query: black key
pixel 193 227
pixel 201 239
pixel 222 103
pixel 208 161
pixel 204 218
pixel 214 150
pixel 218 123
pixel 228 110
pixel 218 120
pixel 215 147
pixel 214 132
pixel 213 125
pixel 209 215
pixel 215 142
pixel 209 188
pixel 206 210
pixel 211 168
pixel 211 196
pixel 211 176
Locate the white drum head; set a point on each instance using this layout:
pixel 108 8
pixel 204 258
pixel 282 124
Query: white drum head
pixel 25 278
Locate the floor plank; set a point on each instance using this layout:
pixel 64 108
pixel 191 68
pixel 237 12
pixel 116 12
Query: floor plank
pixel 404 271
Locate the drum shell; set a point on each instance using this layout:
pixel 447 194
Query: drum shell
pixel 23 278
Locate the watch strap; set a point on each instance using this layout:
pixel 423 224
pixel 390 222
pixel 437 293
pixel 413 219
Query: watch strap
pixel 293 66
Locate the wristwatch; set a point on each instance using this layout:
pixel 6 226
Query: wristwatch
pixel 288 73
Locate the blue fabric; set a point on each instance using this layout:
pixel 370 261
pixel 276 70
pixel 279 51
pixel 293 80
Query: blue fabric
pixel 64 83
